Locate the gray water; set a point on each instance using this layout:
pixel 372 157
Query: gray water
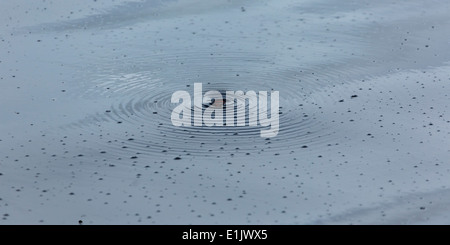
pixel 86 134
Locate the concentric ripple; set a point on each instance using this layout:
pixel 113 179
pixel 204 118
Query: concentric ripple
pixel 142 101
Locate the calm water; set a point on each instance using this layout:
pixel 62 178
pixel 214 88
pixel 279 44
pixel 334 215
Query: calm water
pixel 86 133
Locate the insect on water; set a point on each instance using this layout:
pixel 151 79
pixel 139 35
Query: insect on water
pixel 214 108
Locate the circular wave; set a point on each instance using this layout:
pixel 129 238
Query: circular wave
pixel 142 106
